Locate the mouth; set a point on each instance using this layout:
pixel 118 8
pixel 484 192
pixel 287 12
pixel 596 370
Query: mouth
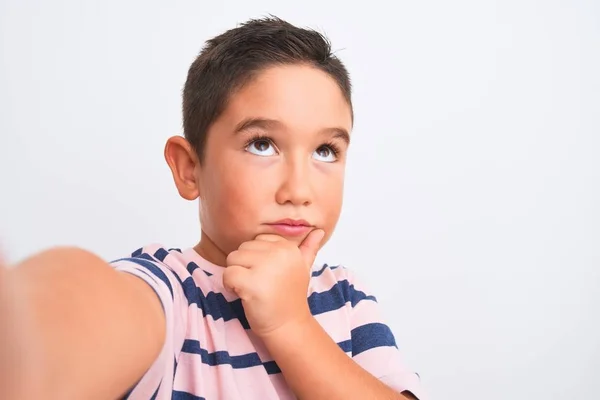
pixel 291 222
pixel 291 227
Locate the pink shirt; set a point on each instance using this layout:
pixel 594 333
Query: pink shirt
pixel 210 351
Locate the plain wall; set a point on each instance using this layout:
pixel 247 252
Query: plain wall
pixel 473 188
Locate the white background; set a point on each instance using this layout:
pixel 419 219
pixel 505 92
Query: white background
pixel 472 202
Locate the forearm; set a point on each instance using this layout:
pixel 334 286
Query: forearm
pixel 78 317
pixel 316 368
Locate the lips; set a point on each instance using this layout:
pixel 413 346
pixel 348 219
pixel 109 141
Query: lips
pixel 291 222
pixel 291 227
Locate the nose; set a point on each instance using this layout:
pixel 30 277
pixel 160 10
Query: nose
pixel 296 185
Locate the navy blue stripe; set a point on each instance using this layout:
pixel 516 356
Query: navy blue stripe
pixel 177 395
pixel 325 267
pixel 346 346
pixel 175 364
pixel 272 368
pixel 146 256
pixel 149 275
pixel 319 272
pixel 336 297
pixel 147 262
pixel 156 392
pixel 369 336
pixel 192 266
pixel 161 254
pixel 127 394
pixel 330 300
pixel 217 306
pixel 238 311
pixel 175 249
pixel 356 296
pixel 221 357
pixel 242 361
pixel 137 252
pixel 214 304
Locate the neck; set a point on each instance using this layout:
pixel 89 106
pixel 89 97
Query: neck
pixel 208 250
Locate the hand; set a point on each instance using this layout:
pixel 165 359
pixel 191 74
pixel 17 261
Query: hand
pixel 271 276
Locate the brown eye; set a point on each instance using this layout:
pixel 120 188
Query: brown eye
pixel 261 147
pixel 325 154
pixel 324 151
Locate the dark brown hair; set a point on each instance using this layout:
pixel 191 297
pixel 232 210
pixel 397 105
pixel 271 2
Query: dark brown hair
pixel 230 60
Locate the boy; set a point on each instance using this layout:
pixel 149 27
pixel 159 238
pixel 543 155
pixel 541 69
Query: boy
pixel 267 117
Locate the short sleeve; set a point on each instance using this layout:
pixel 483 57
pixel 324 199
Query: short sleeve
pixel 157 382
pixel 374 345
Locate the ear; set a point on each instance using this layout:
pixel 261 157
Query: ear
pixel 184 164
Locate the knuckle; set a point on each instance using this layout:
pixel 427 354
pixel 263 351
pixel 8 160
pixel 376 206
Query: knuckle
pixel 230 274
pixel 245 245
pixel 231 257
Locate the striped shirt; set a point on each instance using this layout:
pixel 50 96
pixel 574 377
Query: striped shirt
pixel 210 351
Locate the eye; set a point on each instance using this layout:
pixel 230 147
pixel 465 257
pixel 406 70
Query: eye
pixel 261 147
pixel 325 153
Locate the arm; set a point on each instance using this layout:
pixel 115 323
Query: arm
pixel 316 368
pixel 271 276
pixel 81 329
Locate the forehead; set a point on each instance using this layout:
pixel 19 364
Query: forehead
pixel 301 98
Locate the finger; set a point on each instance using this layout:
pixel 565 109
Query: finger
pixel 236 279
pixel 236 257
pixel 245 258
pixel 310 246
pixel 255 245
pixel 270 238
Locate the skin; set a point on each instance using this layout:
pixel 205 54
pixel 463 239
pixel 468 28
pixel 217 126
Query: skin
pixel 243 187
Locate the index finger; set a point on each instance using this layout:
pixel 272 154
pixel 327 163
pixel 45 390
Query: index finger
pixel 267 237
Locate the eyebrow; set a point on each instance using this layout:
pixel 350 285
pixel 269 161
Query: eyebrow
pixel 270 124
pixel 261 123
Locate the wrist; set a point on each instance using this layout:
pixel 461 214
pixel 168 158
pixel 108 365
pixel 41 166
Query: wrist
pixel 292 330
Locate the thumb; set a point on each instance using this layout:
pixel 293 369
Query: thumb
pixel 310 245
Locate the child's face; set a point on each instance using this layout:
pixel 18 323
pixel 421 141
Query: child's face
pixel 270 157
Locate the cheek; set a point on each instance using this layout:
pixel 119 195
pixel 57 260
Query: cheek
pixel 331 193
pixel 331 203
pixel 236 193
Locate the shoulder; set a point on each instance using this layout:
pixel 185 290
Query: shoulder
pixel 155 258
pixel 164 269
pixel 337 285
pixel 155 253
pixel 331 274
